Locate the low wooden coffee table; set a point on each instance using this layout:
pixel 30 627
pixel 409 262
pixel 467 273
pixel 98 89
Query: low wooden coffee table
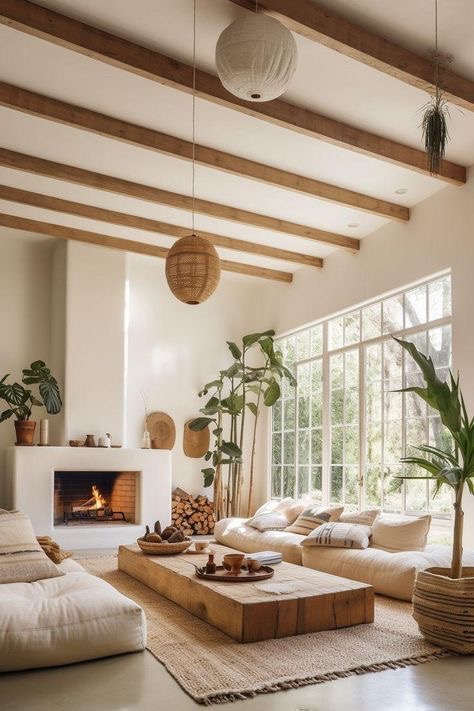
pixel 317 602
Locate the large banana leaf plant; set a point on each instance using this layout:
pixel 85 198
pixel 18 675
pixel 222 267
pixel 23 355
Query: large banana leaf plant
pixel 21 400
pixel 239 391
pixel 453 468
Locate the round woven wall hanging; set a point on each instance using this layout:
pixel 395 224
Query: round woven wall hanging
pixel 193 269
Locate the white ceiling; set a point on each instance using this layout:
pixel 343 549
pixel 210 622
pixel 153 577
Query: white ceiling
pixel 325 81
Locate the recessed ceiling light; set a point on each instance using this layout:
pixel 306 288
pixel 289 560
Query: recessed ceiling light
pixel 401 191
pixel 353 224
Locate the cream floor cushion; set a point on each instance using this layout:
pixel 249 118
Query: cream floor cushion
pixel 391 574
pixel 66 619
pixel 235 533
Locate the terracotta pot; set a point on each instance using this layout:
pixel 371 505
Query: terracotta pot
pixel 25 432
pixel 444 608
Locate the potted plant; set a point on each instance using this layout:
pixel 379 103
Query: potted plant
pixel 443 600
pixel 236 399
pixel 20 400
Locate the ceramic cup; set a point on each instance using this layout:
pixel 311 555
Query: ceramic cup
pixel 200 546
pixel 252 565
pixel 233 561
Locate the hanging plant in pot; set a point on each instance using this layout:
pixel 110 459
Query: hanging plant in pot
pixel 434 125
pixel 20 400
pixel 443 599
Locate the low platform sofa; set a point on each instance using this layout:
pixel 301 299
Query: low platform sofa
pixel 391 573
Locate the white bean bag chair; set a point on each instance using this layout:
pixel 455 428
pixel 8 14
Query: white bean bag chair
pixel 66 619
pixel 235 533
pixel 391 574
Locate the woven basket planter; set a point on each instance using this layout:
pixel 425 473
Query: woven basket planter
pixel 443 607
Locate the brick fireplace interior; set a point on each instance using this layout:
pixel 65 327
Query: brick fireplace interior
pixel 75 502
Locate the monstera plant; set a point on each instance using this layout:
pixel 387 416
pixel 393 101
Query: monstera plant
pixel 440 594
pixel 20 399
pixel 235 399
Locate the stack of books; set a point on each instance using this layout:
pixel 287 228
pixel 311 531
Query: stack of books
pixel 267 557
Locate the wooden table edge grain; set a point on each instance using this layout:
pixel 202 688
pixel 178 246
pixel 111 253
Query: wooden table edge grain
pixel 321 602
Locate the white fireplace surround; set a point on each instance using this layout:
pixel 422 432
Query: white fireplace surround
pixel 29 486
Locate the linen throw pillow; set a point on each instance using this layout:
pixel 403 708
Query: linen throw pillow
pixel 272 504
pixel 339 535
pixel 312 517
pixel 22 559
pixel 365 518
pixel 288 506
pixel 291 509
pixel 270 521
pixel 401 534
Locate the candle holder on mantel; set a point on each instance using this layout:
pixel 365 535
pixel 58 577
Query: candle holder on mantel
pixel 44 433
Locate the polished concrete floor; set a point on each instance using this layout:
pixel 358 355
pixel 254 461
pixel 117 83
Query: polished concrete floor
pixel 138 681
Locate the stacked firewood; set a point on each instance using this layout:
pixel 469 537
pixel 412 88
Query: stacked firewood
pixel 192 515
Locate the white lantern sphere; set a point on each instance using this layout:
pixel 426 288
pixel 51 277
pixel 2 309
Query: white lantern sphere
pixel 256 58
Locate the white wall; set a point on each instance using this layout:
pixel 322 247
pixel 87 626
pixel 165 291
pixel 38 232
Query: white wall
pixel 95 302
pixel 110 329
pixel 439 235
pixel 174 349
pixel 25 274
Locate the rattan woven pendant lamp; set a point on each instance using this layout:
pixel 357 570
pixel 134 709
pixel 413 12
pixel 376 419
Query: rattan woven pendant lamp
pixel 193 267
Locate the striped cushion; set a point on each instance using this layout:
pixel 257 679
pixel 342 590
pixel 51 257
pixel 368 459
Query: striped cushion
pixel 339 535
pixel 312 517
pixel 21 556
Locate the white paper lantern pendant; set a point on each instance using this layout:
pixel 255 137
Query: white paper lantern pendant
pixel 256 58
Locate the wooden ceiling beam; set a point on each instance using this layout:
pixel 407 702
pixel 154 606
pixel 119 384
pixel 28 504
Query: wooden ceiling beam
pixel 100 181
pixel 325 27
pixel 118 52
pixel 34 104
pixel 127 245
pixel 90 212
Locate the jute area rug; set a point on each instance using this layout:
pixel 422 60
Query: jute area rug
pixel 213 668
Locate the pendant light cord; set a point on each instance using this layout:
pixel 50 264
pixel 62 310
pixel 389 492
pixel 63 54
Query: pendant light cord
pixel 194 115
pixel 436 66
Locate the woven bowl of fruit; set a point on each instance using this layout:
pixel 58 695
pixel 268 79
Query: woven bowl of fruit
pixel 168 541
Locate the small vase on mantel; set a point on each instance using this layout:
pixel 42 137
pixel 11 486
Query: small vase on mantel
pixel 44 433
pixel 146 441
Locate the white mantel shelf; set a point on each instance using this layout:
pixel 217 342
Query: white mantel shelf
pixel 29 486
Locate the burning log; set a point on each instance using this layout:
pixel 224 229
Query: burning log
pixel 192 515
pixel 96 501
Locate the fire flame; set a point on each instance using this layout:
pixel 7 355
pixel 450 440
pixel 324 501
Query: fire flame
pixel 100 502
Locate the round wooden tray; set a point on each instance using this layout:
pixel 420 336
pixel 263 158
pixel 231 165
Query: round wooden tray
pixel 150 548
pixel 224 576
